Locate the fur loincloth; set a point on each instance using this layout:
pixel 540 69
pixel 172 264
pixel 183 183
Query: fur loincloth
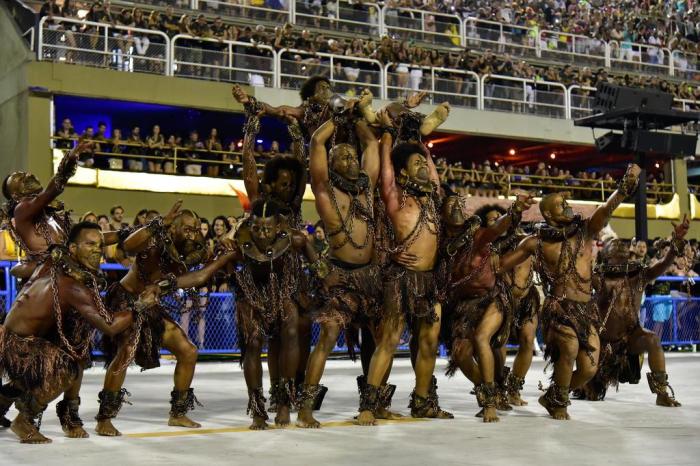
pixel 580 317
pixel 464 316
pixel 34 362
pixel 150 335
pixel 350 293
pixel 412 293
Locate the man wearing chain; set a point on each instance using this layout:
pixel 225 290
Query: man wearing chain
pixel 165 248
pixel 526 306
pixel 37 220
pixel 284 180
pixel 265 268
pixel 480 311
pixel 409 189
pixel 351 290
pixel 48 334
pixel 562 248
pixel 622 338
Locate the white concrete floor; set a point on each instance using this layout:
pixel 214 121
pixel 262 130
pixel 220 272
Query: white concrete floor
pixel 626 429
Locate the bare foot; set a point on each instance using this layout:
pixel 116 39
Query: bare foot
pixel 106 429
pixel 282 419
pixel 258 424
pixel 516 400
pixel 305 419
pixel 663 399
pixel 366 418
pixel 27 432
pixel 559 414
pixel 489 415
pixel 183 421
pixel 75 432
pixel 383 413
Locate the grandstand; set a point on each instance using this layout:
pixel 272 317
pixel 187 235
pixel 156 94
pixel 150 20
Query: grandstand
pixel 516 73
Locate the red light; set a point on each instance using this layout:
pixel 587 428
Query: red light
pixel 511 152
pixel 552 156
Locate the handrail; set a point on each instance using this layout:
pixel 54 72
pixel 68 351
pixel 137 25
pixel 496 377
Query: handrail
pixel 422 13
pixel 575 38
pixel 677 63
pixel 229 66
pixel 525 82
pixel 339 19
pixel 106 27
pixel 333 58
pixel 243 6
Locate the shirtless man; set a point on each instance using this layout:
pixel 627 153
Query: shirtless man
pixel 164 250
pixel 47 337
pixel 284 180
pixel 619 295
pixel 265 265
pixel 409 189
pixel 563 249
pixel 37 220
pixel 480 307
pixel 351 292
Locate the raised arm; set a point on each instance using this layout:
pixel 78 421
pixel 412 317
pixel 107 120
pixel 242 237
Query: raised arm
pixel 387 179
pixel 676 250
pixel 509 220
pixel 278 112
pixel 432 169
pixel 370 154
pixel 602 214
pixel 299 152
pixel 318 156
pixel 138 239
pixel 34 206
pixel 525 249
pixel 250 169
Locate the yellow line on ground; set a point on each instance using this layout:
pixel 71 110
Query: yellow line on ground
pixel 223 430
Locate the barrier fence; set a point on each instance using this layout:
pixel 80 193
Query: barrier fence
pixel 130 49
pixel 209 319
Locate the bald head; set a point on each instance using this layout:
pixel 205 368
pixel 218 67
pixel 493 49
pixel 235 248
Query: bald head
pixel 555 209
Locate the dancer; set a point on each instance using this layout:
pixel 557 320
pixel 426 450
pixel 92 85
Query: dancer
pixel 284 180
pixel 563 258
pixel 47 338
pixel 37 220
pixel 409 189
pixel 480 308
pixel 619 296
pixel 351 292
pixel 165 248
pixel 267 282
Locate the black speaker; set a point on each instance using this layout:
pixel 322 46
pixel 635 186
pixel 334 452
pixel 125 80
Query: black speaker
pixel 676 145
pixel 611 97
pixel 609 142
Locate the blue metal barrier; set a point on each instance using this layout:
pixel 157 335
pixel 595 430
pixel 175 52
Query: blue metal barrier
pixel 211 323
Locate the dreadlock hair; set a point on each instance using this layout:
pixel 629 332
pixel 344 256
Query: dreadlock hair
pixel 282 162
pixel 401 153
pixel 308 89
pixel 482 211
pixel 266 208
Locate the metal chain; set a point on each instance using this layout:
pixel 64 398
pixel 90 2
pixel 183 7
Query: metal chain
pixel 347 223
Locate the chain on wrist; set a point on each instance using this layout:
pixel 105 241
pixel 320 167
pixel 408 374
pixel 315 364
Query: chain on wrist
pixel 628 184
pixel 169 284
pixel 677 245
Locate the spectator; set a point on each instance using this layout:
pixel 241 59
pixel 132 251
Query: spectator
pixel 135 148
pixel 213 144
pixel 193 153
pixel 117 217
pixel 66 134
pixel 156 144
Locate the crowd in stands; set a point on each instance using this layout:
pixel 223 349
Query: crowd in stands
pixel 618 20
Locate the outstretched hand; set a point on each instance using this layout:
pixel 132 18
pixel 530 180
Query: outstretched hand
pixel 365 98
pixel 82 147
pixel 634 170
pixel 681 230
pixel 384 119
pixel 443 111
pixel 525 200
pixel 174 212
pixel 415 99
pixel 149 297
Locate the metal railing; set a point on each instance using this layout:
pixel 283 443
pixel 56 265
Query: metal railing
pixel 580 100
pixel 424 26
pixel 348 74
pixel 103 45
pixel 640 58
pixel 501 183
pixel 685 65
pixel 223 60
pixel 504 38
pixel 573 48
pixel 342 16
pixel 518 95
pixel 241 9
